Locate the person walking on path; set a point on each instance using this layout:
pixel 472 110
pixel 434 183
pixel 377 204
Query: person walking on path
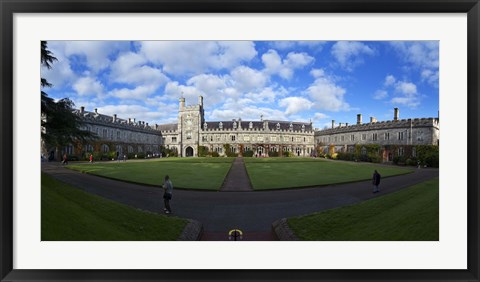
pixel 376 181
pixel 65 160
pixel 167 195
pixel 91 158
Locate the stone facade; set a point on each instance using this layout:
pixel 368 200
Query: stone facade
pixel 397 132
pixel 128 136
pixel 260 137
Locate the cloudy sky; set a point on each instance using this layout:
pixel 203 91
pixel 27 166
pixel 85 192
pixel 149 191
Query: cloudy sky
pixel 281 80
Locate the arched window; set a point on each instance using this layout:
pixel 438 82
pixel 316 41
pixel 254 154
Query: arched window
pixel 105 148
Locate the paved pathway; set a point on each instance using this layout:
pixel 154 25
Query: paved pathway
pixel 252 212
pixel 237 178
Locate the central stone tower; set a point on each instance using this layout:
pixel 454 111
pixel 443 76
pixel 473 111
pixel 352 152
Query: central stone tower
pixel 190 120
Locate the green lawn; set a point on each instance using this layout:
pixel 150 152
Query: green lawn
pixel 192 173
pixel 70 214
pixel 411 214
pixel 276 173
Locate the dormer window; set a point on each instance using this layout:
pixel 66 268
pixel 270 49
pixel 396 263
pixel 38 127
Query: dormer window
pixel 291 126
pixel 278 126
pixel 234 125
pixel 250 125
pixel 205 126
pixel 220 125
pixel 303 127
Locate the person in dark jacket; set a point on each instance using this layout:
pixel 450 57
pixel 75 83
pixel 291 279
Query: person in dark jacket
pixel 376 181
pixel 167 195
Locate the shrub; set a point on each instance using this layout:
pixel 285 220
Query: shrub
pixel 248 153
pixel 215 154
pixel 272 154
pixel 202 151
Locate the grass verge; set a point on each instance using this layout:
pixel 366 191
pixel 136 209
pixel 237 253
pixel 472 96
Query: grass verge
pixel 277 173
pixel 411 214
pixel 190 173
pixel 70 214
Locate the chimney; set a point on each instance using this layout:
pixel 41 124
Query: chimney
pixel 114 117
pixel 156 126
pixel 182 103
pixel 359 119
pixel 129 120
pixel 96 112
pixel 133 120
pixel 395 114
pixel 146 125
pixel 373 120
pixel 200 101
pixel 340 124
pixel 82 109
pixel 333 123
pixel 346 124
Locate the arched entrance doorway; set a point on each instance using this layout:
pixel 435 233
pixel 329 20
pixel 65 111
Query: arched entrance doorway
pixel 189 152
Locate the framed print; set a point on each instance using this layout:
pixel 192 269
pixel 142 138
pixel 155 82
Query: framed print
pixel 227 95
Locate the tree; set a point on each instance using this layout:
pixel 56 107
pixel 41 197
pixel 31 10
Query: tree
pixel 60 125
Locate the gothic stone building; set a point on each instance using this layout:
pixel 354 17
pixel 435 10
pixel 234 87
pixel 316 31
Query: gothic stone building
pixel 393 136
pixel 192 131
pixel 128 136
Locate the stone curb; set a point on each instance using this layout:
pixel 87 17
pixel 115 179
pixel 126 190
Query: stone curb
pixel 192 232
pixel 283 232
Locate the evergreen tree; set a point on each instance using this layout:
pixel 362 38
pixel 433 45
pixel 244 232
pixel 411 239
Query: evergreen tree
pixel 60 125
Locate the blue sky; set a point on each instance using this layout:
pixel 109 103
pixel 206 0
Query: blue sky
pixel 281 80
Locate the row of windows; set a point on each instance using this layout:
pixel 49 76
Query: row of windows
pixel 220 138
pixel 402 135
pixel 250 126
pixel 133 137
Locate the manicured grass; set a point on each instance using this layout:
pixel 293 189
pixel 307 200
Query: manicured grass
pixel 70 214
pixel 276 173
pixel 192 173
pixel 411 214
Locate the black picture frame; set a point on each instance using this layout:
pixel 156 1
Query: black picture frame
pixel 9 7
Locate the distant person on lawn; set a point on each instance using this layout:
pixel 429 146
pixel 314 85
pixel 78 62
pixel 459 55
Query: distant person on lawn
pixel 376 181
pixel 167 195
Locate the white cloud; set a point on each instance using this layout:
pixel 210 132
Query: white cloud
pixel 327 95
pixel 196 57
pixel 380 95
pixel 297 60
pixel 430 76
pixel 248 79
pixel 61 73
pixel 406 88
pixel 317 73
pixel 266 95
pixel 349 54
pixel 248 113
pixel 87 86
pixel 389 80
pixel 138 93
pixel 421 55
pixel 315 46
pixel 140 113
pixel 174 91
pixel 285 68
pixel 405 93
pixel 131 68
pixel 295 105
pixel 411 102
pixel 96 53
